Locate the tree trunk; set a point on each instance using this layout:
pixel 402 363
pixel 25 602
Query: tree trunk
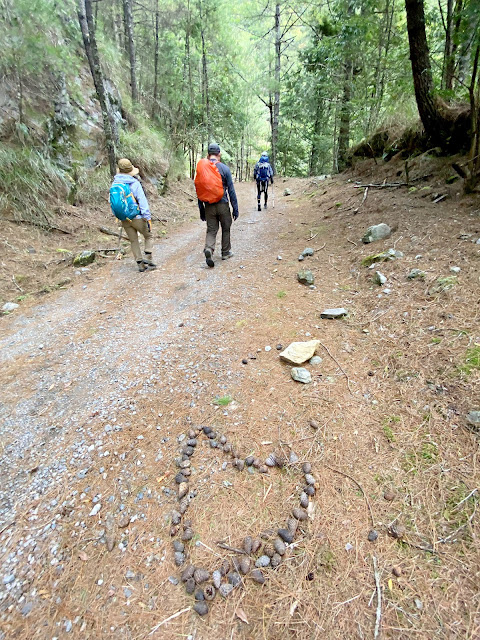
pixel 155 62
pixel 127 16
pixel 435 125
pixel 85 18
pixel 276 96
pixel 344 127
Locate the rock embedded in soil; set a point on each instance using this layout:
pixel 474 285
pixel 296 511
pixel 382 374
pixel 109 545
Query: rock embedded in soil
pixel 188 451
pixel 416 274
pixel 315 360
pixel 179 478
pixel 308 251
pixel 207 430
pixel 286 535
pixel 305 276
pixel 376 232
pixel 84 258
pixel 314 424
pixel 300 374
pixel 299 352
pixel 201 575
pixel 258 576
pixel 201 608
pixel 299 514
pixel 185 464
pixel 332 314
pixel 10 306
pixel 192 442
pixel 372 535
pixel 397 571
pixel 379 278
pixel 473 418
pixel 244 361
pixel 389 495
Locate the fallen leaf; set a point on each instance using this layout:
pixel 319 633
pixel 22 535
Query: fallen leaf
pixel 240 613
pixel 390 584
pixel 83 556
pixel 293 608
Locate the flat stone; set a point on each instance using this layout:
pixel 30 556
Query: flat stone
pixel 315 360
pixel 201 608
pixel 416 273
pixel 10 306
pixel 331 314
pixel 377 232
pixel 84 258
pixel 473 418
pixel 379 278
pixel 299 352
pixel 307 252
pixel 300 374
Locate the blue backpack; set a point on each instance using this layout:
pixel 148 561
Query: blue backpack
pixel 123 203
pixel 263 171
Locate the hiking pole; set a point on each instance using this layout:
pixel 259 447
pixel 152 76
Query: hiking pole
pixel 273 197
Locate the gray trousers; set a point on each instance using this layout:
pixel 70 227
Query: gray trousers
pixel 217 215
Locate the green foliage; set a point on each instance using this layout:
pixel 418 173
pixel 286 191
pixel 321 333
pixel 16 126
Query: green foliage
pixel 223 401
pixel 472 360
pixel 29 182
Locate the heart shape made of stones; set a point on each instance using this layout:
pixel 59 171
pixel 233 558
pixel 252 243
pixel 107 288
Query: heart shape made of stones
pixel 256 554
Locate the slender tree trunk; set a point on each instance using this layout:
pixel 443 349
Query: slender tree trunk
pixel 276 95
pixel 434 123
pixel 314 152
pixel 127 16
pixel 345 108
pixel 155 61
pixel 381 67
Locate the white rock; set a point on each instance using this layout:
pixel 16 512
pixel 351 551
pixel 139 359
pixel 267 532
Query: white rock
pixel 455 269
pixel 95 509
pixel 10 306
pixel 299 352
pixel 334 313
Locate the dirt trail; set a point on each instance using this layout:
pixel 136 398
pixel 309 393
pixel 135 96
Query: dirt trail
pixel 100 383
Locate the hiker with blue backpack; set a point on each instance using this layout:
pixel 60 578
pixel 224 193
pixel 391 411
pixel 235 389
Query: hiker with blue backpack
pixel 263 173
pixel 130 206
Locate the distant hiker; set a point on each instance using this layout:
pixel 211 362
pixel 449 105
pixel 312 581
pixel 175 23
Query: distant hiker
pixel 263 173
pixel 129 204
pixel 212 182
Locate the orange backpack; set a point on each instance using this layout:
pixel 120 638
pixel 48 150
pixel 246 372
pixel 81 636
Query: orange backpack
pixel 208 182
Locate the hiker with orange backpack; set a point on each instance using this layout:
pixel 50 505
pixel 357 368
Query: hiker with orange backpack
pixel 213 181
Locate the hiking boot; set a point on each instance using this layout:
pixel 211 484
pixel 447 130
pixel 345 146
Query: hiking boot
pixel 228 255
pixel 141 266
pixel 259 207
pixel 148 261
pixel 208 258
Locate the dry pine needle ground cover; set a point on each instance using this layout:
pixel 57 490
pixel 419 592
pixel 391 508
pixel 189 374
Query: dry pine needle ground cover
pixel 391 450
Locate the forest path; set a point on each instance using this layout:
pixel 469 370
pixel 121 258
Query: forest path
pixel 101 383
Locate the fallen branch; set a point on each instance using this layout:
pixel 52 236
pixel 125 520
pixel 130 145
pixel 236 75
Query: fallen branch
pixel 109 232
pixel 390 185
pixel 345 475
pixel 378 586
pixel 17 285
pixel 338 364
pixel 222 545
pixel 45 227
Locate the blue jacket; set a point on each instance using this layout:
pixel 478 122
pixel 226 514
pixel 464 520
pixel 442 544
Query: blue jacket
pixel 256 170
pixel 137 190
pixel 227 187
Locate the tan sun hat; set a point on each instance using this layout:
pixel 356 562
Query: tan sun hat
pixel 125 166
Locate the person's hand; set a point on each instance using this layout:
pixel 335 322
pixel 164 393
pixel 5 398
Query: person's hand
pixel 271 180
pixel 235 215
pixel 149 225
pixel 202 216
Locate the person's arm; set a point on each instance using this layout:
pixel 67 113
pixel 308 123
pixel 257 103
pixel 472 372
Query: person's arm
pixel 201 207
pixel 231 193
pixel 270 172
pixel 255 169
pixel 141 199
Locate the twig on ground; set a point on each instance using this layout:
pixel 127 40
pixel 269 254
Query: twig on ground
pixel 16 284
pixel 465 499
pixel 7 526
pixel 209 548
pixel 222 545
pixel 268 491
pixel 345 475
pixel 339 366
pixel 312 237
pixel 109 232
pixel 175 615
pixel 378 618
pixel 455 533
pixel 352 242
